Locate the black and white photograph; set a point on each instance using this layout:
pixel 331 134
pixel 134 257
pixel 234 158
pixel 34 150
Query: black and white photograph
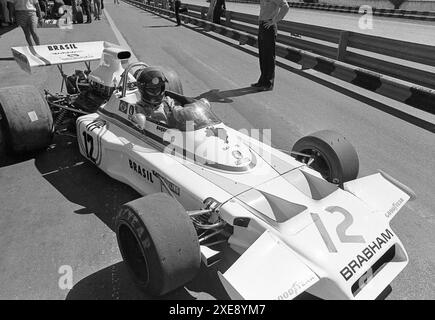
pixel 196 152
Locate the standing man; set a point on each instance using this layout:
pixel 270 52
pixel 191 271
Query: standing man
pixel 210 10
pixel 97 9
pixel 217 11
pixel 271 12
pixel 178 10
pixel 5 18
pixel 27 16
pixel 86 4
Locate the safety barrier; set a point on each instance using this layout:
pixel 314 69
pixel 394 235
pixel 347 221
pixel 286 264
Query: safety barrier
pixel 399 82
pixel 393 13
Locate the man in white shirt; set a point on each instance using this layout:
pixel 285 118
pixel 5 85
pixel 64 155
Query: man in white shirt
pixel 271 12
pixel 27 13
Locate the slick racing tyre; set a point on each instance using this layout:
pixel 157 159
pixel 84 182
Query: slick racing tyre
pixel 26 119
pixel 158 242
pixel 333 155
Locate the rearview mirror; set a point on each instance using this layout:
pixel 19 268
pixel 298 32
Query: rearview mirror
pixel 139 120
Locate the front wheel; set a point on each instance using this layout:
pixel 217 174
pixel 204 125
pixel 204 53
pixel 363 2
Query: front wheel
pixel 331 154
pixel 158 242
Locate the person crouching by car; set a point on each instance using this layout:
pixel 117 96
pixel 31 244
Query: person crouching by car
pixel 27 16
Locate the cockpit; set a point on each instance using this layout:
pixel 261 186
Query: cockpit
pixel 194 116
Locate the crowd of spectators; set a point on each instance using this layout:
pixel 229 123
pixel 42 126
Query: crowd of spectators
pixel 50 10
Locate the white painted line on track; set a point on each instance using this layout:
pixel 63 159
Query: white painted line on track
pixel 122 42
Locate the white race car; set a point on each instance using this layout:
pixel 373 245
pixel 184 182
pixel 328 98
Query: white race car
pixel 300 222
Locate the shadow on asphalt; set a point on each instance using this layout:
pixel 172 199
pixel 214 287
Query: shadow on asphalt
pixel 7 29
pixel 215 95
pixel 7 160
pixel 82 183
pixel 115 283
pixel 171 26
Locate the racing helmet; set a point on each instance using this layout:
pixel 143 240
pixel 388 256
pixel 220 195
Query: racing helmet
pixel 151 83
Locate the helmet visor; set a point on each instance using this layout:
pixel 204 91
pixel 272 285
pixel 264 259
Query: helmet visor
pixel 155 90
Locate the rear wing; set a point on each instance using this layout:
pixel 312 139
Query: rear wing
pixel 58 54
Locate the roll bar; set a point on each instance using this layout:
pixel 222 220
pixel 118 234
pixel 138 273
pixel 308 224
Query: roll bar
pixel 124 76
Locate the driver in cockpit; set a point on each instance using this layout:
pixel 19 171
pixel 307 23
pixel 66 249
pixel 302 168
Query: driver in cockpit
pixel 156 102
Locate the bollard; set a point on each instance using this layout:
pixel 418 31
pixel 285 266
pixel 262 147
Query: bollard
pixel 227 18
pixel 342 45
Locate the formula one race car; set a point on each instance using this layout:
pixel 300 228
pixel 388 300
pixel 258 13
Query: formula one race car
pixel 300 222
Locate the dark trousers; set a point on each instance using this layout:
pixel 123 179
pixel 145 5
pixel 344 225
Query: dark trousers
pixel 177 11
pixel 217 12
pixel 266 52
pixel 87 10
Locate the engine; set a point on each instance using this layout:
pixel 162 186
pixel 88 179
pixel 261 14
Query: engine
pixel 93 88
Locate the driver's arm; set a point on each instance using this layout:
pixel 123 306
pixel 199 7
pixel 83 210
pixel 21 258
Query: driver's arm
pixel 180 98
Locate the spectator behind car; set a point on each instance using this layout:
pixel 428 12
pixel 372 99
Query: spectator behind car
pixel 219 8
pixel 86 4
pixel 27 13
pixel 56 10
pixel 44 7
pixel 178 10
pixel 210 10
pixel 5 14
pixel 97 9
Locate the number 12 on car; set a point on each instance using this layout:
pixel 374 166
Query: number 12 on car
pixel 340 230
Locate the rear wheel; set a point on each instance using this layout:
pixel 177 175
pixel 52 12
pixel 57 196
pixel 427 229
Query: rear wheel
pixel 26 119
pixel 332 155
pixel 158 242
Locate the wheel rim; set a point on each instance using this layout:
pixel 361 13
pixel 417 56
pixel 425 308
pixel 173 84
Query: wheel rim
pixel 133 254
pixel 319 163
